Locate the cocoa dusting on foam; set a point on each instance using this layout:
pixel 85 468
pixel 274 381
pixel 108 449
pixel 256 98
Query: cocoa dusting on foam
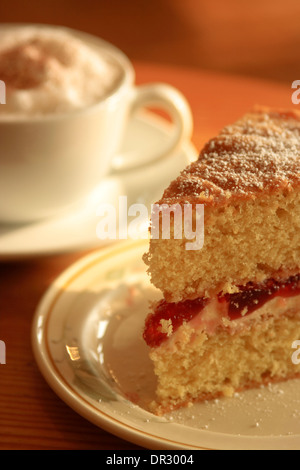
pixel 50 71
pixel 259 153
pixel 24 66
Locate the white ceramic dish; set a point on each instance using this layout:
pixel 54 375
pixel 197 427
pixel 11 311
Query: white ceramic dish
pixel 76 229
pixel 87 340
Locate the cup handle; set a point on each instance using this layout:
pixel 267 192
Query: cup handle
pixel 169 99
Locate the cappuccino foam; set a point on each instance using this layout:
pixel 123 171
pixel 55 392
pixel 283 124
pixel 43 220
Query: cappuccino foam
pixel 48 71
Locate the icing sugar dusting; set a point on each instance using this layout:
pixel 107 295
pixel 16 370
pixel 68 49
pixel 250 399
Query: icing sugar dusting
pixel 259 153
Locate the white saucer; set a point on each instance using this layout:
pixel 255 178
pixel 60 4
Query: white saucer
pixel 87 341
pixel 76 230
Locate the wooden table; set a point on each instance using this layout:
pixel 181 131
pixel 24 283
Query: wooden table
pixel 31 415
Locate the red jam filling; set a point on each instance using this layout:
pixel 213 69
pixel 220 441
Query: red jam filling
pixel 250 298
pixel 177 312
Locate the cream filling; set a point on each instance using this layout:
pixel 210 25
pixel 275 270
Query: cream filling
pixel 215 316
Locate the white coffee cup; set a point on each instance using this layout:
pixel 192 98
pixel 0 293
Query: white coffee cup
pixel 50 162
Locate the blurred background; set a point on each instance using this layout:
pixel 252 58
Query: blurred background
pixel 212 44
pixel 260 38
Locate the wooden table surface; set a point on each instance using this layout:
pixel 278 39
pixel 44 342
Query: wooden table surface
pixel 31 415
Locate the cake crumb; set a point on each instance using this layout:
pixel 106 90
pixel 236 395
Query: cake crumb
pixel 166 327
pixel 244 312
pixel 228 391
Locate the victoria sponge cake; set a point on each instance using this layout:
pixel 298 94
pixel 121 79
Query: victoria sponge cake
pixel 230 311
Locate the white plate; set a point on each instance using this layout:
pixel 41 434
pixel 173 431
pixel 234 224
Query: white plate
pixel 87 340
pixel 76 229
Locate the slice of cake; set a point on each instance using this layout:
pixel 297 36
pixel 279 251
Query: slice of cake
pixel 231 310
